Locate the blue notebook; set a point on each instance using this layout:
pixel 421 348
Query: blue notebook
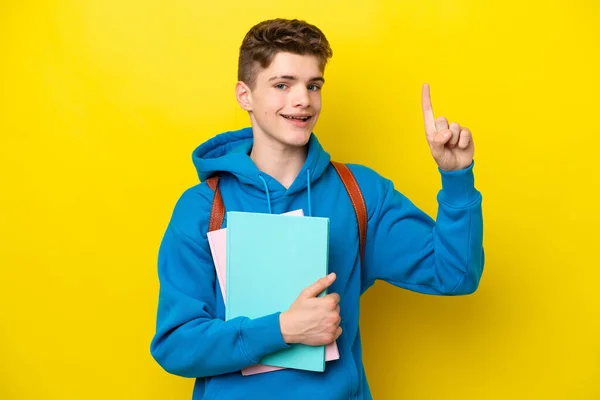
pixel 270 260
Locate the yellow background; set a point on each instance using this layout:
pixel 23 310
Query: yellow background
pixel 102 102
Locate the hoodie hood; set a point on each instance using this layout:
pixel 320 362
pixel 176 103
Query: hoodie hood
pixel 229 152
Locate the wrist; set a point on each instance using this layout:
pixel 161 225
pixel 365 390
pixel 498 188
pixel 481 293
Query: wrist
pixel 284 325
pixel 458 187
pixel 261 336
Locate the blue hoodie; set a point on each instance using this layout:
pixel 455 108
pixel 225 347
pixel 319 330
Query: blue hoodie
pixel 405 247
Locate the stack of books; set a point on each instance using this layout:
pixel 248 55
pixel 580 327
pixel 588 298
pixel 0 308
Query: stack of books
pixel 263 262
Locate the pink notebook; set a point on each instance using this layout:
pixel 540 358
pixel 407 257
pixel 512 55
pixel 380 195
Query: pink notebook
pixel 218 245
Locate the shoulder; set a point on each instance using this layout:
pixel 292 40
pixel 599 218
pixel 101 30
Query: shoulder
pixel 371 183
pixel 375 188
pixel 191 213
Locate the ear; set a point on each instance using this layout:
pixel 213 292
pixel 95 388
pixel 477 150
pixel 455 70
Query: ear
pixel 243 96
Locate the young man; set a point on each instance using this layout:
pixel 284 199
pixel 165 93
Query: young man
pixel 277 165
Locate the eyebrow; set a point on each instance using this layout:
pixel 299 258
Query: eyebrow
pixel 294 78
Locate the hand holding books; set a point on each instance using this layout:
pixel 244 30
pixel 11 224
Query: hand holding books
pixel 313 320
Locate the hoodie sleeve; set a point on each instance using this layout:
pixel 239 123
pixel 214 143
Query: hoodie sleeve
pixel 409 249
pixel 189 340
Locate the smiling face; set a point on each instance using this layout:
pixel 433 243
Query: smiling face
pixel 285 101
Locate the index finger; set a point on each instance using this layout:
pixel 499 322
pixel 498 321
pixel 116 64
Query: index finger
pixel 427 110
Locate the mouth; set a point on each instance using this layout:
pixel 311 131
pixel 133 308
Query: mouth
pixel 301 118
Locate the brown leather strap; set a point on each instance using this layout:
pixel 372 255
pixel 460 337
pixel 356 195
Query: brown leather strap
pixel 358 202
pixel 217 213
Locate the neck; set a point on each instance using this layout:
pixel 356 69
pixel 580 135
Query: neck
pixel 281 162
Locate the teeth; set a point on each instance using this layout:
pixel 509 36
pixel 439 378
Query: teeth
pixel 299 118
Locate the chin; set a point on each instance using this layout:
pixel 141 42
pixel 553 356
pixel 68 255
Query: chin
pixel 290 136
pixel 297 138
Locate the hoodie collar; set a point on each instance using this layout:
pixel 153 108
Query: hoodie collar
pixel 228 152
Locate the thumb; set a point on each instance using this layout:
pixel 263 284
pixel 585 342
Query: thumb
pixel 316 288
pixel 438 142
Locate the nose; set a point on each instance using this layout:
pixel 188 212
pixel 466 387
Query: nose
pixel 301 97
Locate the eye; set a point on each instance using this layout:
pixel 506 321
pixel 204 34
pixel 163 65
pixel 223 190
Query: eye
pixel 280 86
pixel 314 87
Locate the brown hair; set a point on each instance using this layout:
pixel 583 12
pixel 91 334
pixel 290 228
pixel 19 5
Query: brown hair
pixel 264 40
